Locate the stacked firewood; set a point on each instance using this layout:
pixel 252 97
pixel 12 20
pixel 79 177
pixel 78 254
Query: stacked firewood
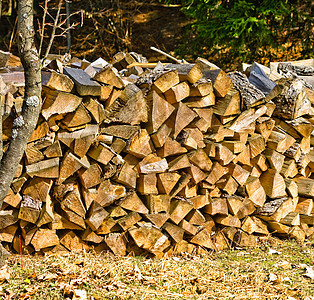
pixel 179 157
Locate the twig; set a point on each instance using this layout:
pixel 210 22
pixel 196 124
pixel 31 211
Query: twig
pixel 53 30
pixel 12 35
pixel 168 55
pixel 43 27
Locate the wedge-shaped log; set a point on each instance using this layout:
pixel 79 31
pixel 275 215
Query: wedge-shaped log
pixel 109 75
pixel 183 117
pixel 158 203
pixel 166 182
pixel 129 220
pixel 77 118
pixel 132 202
pixel 179 209
pixel 201 87
pixel 56 81
pixel 160 111
pixel 160 136
pixel 178 92
pixel 109 192
pixel 149 238
pixel 273 184
pixel 203 238
pixel 58 102
pixel 147 184
pixel 178 163
pixel 254 225
pixel 222 83
pixel 171 147
pixel 69 165
pixel 7 218
pixel 280 142
pixel 54 150
pixel 201 160
pixel 90 177
pixel 141 145
pixel 216 206
pixel 165 81
pixel 46 168
pixel 101 153
pixel 228 220
pixel 228 105
pixel 117 243
pixel 127 176
pixel 255 191
pixel 44 238
pixel 174 231
pixel 304 206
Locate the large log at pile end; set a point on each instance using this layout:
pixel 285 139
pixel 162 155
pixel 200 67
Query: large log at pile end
pixel 176 159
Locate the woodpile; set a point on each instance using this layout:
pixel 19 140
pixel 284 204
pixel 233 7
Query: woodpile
pixel 179 157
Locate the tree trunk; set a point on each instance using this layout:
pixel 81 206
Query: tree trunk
pixel 24 125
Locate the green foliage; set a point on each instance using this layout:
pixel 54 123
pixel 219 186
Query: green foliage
pixel 247 30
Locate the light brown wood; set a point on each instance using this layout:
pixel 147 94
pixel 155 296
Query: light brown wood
pixel 222 84
pixel 178 163
pixel 179 209
pixel 201 160
pixel 184 116
pixel 216 173
pixel 109 192
pixel 109 75
pixel 216 206
pixel 7 218
pixel 166 182
pixel 90 177
pixel 141 144
pixel 44 238
pixel 174 231
pixel 166 81
pixel 171 147
pixel 203 238
pixel 132 202
pixel 129 220
pixel 158 203
pixel 117 243
pixel 101 153
pixel 69 165
pixel 178 92
pixel 273 184
pixel 149 238
pixel 229 220
pixel 46 168
pixel 160 111
pixel 304 206
pixel 38 188
pixel 58 102
pixel 255 191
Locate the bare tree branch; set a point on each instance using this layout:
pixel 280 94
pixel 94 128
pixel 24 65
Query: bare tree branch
pixel 53 30
pixel 42 32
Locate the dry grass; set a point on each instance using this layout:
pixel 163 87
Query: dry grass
pixel 238 274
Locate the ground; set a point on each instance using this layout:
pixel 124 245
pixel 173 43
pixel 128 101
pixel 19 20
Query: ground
pixel 275 270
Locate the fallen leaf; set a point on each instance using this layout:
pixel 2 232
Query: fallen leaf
pixel 309 272
pixel 138 273
pixel 284 264
pixel 274 278
pixel 273 251
pixel 4 273
pixel 47 276
pixel 79 295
